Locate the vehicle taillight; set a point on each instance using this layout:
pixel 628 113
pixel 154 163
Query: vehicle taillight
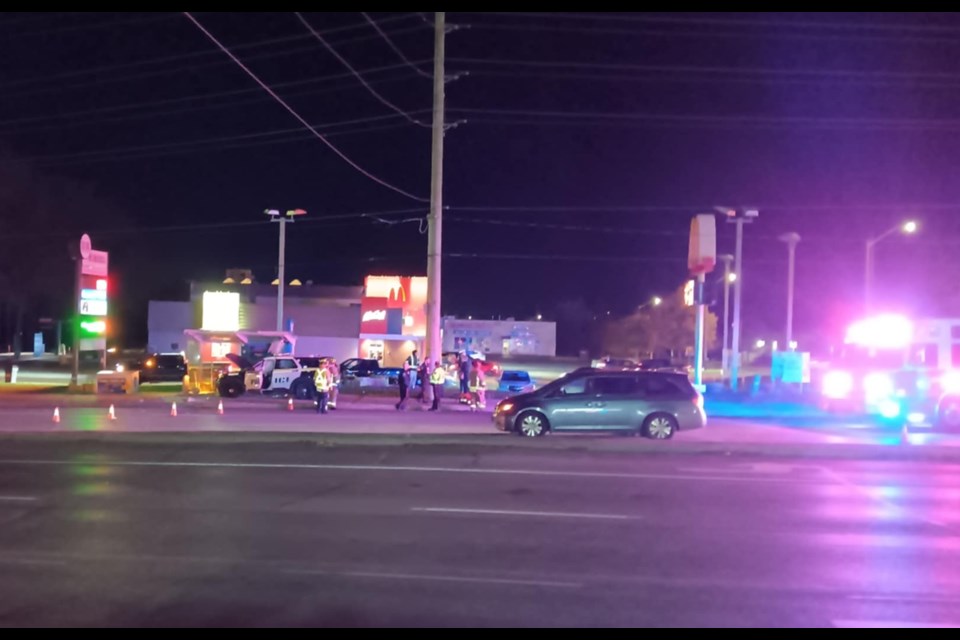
pixel 698 400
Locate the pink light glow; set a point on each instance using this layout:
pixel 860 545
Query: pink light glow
pixel 837 385
pixel 881 332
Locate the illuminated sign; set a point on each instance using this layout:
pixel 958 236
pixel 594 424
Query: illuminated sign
pixel 102 285
pixel 96 308
pixel 374 316
pixel 689 294
pixel 93 294
pixel 90 327
pixel 96 264
pixel 221 311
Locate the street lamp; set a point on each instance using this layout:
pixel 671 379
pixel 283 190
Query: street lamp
pixel 656 301
pixel 275 216
pixel 908 228
pixel 738 217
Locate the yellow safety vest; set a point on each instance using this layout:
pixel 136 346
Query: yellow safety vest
pixel 439 376
pixel 321 380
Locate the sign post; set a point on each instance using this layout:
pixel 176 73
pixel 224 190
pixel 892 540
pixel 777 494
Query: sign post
pixel 702 260
pixel 90 327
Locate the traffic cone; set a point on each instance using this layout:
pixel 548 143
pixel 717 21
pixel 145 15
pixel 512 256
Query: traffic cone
pixel 56 416
pixel 112 413
pixel 220 408
pixel 290 404
pixel 173 410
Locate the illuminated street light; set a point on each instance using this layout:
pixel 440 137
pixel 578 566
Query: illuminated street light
pixel 732 278
pixel 910 227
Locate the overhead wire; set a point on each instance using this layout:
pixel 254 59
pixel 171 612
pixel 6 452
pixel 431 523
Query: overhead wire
pixel 300 118
pixel 358 76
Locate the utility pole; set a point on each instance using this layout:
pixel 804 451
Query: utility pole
pixel 727 281
pixel 792 240
pixel 434 346
pixel 700 301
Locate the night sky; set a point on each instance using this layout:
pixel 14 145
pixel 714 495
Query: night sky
pixel 584 144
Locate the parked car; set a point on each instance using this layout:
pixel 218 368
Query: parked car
pixel 614 364
pixel 367 368
pixel 162 367
pixel 516 382
pixel 654 404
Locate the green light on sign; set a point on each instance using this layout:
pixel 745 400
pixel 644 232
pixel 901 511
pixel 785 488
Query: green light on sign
pixel 93 327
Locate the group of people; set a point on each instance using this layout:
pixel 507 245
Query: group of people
pixel 431 379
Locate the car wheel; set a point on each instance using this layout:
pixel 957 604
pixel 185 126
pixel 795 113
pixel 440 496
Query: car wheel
pixel 660 426
pixel 532 424
pixel 231 390
pixel 949 415
pixel 302 390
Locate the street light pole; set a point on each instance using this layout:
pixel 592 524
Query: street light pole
pixel 282 220
pixel 727 281
pixel 434 346
pixel 792 240
pixel 739 218
pixel 908 228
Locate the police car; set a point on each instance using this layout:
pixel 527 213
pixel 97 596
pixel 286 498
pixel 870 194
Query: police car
pixel 274 375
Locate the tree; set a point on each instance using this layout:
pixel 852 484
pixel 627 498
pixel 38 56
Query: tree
pixel 654 331
pixel 39 217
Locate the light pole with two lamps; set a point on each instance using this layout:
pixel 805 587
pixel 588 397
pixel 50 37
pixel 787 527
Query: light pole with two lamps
pixel 275 216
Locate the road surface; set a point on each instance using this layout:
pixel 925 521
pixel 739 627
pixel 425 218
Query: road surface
pixel 289 534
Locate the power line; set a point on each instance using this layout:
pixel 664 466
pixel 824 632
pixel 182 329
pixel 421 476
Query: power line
pixel 92 26
pixel 172 70
pixel 842 74
pixel 793 24
pixel 182 56
pixel 186 148
pixel 218 226
pixel 687 120
pixel 395 48
pixel 300 118
pixel 187 99
pixel 714 34
pixel 356 74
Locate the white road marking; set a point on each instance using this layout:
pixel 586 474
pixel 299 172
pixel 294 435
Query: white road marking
pixel 524 514
pixel 885 624
pixel 446 579
pixel 451 470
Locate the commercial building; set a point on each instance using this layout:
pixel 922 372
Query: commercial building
pixel 324 319
pixel 505 338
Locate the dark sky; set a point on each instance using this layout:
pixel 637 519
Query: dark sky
pixel 585 142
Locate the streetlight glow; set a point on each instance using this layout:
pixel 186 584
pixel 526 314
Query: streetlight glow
pixel 657 301
pixel 911 227
pixel 732 278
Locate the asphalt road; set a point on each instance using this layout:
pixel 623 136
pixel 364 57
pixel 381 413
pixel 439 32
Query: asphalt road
pixel 219 534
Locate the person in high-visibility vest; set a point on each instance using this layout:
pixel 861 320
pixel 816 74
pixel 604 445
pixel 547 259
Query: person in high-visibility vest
pixel 322 381
pixel 437 380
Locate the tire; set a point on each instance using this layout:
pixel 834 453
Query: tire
pixel 660 426
pixel 231 389
pixel 948 416
pixel 302 390
pixel 532 424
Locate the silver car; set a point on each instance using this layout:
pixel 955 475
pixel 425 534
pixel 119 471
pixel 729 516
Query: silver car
pixel 654 404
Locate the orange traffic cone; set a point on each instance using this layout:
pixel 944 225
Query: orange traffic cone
pixel 290 404
pixel 173 410
pixel 56 416
pixel 220 408
pixel 112 413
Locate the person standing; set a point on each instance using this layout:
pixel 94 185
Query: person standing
pixel 466 368
pixel 437 379
pixel 334 369
pixel 403 382
pixel 413 362
pixel 322 382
